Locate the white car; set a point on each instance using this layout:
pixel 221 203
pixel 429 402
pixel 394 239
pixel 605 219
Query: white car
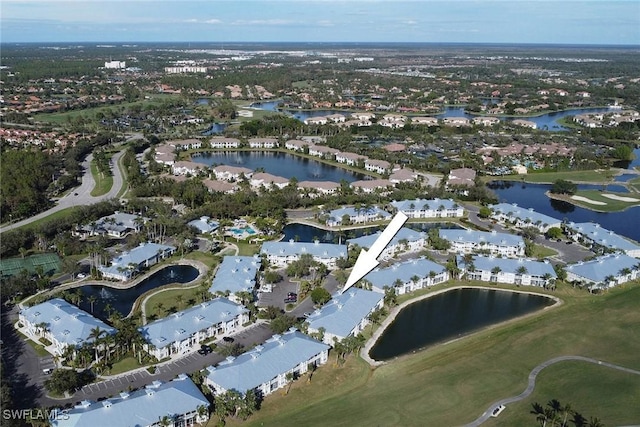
pixel 81 276
pixel 497 411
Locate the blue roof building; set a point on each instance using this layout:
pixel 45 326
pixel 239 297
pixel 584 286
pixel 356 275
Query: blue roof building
pixel 61 323
pixel 508 270
pixel 345 314
pixel 467 241
pixel 429 208
pixel 602 238
pixel 116 225
pixel 283 253
pixel 204 224
pixel 177 400
pixel 180 332
pixel 236 274
pixel 356 215
pixel 605 271
pixel 266 366
pixel 521 217
pixel 147 254
pixel 406 240
pixel 408 276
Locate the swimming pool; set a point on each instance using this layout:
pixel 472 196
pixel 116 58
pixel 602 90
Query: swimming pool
pixel 238 231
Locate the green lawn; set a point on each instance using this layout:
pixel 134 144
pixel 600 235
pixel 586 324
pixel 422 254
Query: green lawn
pixel 541 252
pixel 64 213
pixel 103 182
pixel 124 365
pixel 453 384
pixel 610 205
pixel 247 249
pixel 169 301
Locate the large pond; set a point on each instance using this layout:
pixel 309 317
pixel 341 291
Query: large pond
pixel 548 121
pixel 308 233
pixel 122 300
pixel 281 164
pixel 450 315
pixel 625 223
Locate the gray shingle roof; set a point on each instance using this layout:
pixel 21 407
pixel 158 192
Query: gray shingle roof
pixel 524 214
pixel 140 408
pixel 277 355
pixel 236 274
pixel 66 322
pixel 180 325
pixel 343 313
pixel 603 237
pixel 600 268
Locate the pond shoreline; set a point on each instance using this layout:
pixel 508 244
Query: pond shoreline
pixel 364 353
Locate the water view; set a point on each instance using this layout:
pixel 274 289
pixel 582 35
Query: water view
pixel 548 121
pixel 122 300
pixel 281 164
pixel 308 233
pixel 451 315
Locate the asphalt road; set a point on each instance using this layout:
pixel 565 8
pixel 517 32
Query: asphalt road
pixel 80 196
pixel 532 383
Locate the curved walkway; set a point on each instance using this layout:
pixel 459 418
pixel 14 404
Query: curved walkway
pixel 532 383
pixel 80 196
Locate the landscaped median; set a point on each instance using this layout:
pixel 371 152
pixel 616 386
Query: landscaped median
pixel 453 384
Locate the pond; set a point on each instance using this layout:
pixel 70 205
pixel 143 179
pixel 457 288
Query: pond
pixel 533 196
pixel 546 121
pixel 122 300
pixel 308 233
pixel 282 164
pixel 450 315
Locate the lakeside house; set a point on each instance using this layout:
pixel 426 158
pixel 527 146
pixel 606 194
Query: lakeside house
pixel 405 240
pixel 408 276
pixel 215 186
pixel 117 225
pixel 176 401
pixel 184 167
pixel 236 274
pixel 263 143
pixel 462 177
pixel 296 145
pixel 350 159
pixel 356 215
pixel 282 254
pixel 315 188
pixel 523 218
pixel 600 239
pixel 345 314
pixel 62 323
pixel 268 180
pixel 491 243
pixel 180 332
pixel 368 186
pixel 230 173
pixel 429 208
pixel 265 368
pixel 185 144
pixel 143 256
pixel 204 224
pixel 378 166
pixel 222 142
pixel 605 271
pixel 507 270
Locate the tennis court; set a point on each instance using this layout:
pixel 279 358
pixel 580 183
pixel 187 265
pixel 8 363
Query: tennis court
pixel 49 262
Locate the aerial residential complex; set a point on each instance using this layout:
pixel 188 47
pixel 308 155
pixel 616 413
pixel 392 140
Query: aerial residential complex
pixel 408 276
pixel 405 240
pixel 493 243
pixel 235 274
pixel 265 367
pixel 283 253
pixel 63 324
pixel 182 331
pixel 143 256
pixel 508 270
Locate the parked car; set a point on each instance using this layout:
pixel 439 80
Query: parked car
pixel 227 339
pixel 205 349
pixel 290 300
pixel 497 411
pixel 292 295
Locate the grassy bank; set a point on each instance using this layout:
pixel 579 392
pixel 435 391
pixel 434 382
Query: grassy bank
pixel 601 203
pixel 589 176
pixel 453 384
pixel 103 182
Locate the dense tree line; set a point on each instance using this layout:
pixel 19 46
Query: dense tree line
pixel 25 177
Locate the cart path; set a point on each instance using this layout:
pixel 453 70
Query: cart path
pixel 532 383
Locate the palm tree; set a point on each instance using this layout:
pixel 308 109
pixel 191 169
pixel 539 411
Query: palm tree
pixel 415 279
pixel 94 335
pixel 202 413
pixel 179 300
pixel 92 299
pixel 521 270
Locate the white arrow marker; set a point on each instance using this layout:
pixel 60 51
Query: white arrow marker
pixel 368 260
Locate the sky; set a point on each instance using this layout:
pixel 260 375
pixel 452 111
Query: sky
pixel 604 22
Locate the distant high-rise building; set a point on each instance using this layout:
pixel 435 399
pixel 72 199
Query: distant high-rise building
pixel 115 64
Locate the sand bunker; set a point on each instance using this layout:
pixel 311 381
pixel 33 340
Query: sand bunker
pixel 584 199
pixel 621 198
